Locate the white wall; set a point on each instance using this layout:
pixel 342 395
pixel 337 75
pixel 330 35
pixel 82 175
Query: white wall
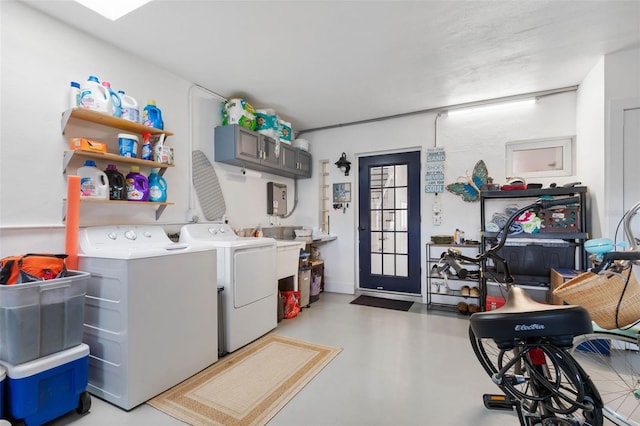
pixel 622 90
pixel 590 112
pixel 466 138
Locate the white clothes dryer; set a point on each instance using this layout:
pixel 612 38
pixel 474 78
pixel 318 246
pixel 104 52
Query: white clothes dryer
pixel 247 271
pixel 150 311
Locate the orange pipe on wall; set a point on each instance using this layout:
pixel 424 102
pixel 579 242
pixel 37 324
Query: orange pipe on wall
pixel 73 221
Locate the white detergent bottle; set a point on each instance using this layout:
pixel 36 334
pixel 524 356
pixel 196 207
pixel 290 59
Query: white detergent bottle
pixel 130 108
pixel 94 183
pixel 94 96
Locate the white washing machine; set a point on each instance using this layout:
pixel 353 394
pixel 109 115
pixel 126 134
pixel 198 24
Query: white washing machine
pixel 150 311
pixel 247 271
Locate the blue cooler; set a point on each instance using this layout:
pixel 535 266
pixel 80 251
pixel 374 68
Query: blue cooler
pixel 41 390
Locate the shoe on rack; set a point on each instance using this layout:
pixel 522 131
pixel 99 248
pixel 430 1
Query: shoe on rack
pixel 435 287
pixel 474 292
pixel 434 272
pixel 464 290
pixel 462 307
pixel 444 288
pixel 473 308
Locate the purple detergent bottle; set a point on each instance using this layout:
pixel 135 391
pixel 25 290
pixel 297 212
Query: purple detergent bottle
pixel 137 185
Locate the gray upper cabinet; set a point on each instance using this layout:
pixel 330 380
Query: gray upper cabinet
pixel 242 147
pixel 295 161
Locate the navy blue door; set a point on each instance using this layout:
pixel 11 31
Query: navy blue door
pixel 389 222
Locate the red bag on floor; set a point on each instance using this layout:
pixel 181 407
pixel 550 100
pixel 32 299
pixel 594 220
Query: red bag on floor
pixel 291 304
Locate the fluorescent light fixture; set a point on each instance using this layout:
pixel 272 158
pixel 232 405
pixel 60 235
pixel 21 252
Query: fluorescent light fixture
pixel 516 103
pixel 113 9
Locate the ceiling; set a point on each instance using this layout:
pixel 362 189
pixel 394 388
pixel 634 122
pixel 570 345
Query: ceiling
pixel 326 63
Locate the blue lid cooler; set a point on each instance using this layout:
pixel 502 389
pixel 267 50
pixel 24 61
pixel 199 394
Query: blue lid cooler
pixel 41 390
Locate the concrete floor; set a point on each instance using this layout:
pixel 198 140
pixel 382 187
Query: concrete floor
pixel 396 368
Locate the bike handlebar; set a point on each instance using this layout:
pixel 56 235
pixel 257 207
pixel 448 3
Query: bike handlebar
pixel 545 204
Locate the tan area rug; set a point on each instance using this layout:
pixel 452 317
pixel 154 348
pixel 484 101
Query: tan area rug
pixel 249 386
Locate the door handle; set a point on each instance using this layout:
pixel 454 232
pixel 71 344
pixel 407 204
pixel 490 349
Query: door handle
pixel 362 228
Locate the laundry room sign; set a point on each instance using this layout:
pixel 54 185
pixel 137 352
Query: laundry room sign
pixel 434 171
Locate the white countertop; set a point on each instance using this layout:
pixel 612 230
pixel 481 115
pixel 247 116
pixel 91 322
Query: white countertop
pixel 317 238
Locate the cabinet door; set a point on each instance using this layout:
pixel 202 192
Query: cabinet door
pixel 289 159
pixel 248 146
pixel 269 151
pixel 304 163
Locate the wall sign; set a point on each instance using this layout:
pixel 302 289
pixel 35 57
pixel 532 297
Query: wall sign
pixel 434 171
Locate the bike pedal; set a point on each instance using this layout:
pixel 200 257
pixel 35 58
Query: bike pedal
pixel 497 402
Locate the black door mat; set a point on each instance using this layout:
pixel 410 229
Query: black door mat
pixel 377 302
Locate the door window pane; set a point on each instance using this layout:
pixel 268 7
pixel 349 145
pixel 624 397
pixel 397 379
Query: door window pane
pixel 376 242
pixel 376 220
pixel 402 266
pixel 401 198
pixel 401 220
pixel 388 244
pixel 401 175
pixel 388 176
pixel 375 177
pixel 388 199
pixel 376 264
pixel 402 243
pixel 388 265
pixel 389 220
pixel 376 199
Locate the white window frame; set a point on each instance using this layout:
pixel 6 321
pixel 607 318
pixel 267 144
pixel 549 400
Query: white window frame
pixel 566 143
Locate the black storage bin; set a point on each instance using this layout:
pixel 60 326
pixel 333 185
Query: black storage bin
pixel 531 263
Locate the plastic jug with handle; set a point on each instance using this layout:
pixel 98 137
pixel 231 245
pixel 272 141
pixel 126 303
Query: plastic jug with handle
pixel 151 115
pixel 157 187
pixel 117 189
pixel 116 103
pixel 94 183
pixel 130 109
pixel 95 96
pixel 137 185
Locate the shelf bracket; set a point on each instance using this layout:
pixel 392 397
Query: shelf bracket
pixel 65 119
pixel 68 155
pixel 160 210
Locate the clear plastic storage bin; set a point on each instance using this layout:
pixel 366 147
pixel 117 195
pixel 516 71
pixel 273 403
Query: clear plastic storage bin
pixel 42 317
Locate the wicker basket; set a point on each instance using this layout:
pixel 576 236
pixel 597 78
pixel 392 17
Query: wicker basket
pixel 599 294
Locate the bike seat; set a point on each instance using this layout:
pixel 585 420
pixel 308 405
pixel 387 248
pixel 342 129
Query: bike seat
pixel 522 317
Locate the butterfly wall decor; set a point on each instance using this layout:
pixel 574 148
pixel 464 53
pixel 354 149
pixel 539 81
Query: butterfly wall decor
pixel 470 190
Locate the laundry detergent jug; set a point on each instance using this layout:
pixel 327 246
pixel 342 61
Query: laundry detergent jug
pixel 95 96
pixel 130 109
pixel 151 115
pixel 137 185
pixel 116 103
pixel 94 183
pixel 117 190
pixel 157 187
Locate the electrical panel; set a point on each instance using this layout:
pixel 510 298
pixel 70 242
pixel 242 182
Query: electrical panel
pixel 276 199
